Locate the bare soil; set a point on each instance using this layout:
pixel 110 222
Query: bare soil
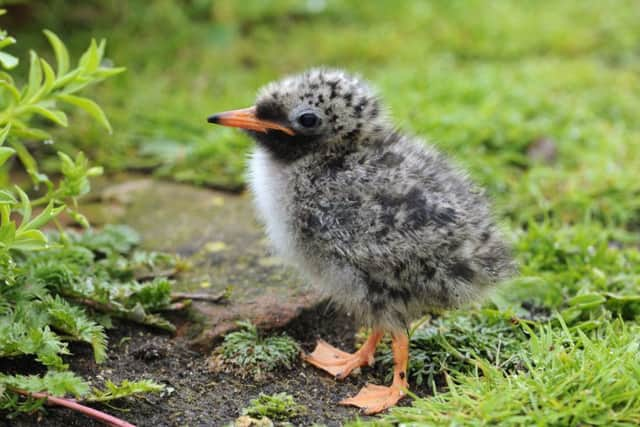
pixel 200 397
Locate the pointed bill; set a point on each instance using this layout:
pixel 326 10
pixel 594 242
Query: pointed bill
pixel 246 119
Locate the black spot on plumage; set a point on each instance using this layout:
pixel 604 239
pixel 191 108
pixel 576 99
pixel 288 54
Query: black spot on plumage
pixel 335 163
pixel 415 198
pixel 270 111
pixel 485 236
pixel 333 85
pixel 353 134
pixel 314 86
pixel 402 294
pixel 328 110
pixel 389 201
pixel 320 98
pixel 462 271
pixel 428 270
pixel 390 159
pixel 360 107
pixel 311 224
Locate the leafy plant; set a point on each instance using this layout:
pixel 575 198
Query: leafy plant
pixel 48 282
pixel 278 407
pixel 246 352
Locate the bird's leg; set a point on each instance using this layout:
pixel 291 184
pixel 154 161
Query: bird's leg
pixel 374 398
pixel 340 363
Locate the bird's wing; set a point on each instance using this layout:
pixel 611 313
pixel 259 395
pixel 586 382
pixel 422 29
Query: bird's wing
pixel 380 209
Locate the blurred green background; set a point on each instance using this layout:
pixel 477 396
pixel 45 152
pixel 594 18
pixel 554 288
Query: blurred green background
pixel 540 99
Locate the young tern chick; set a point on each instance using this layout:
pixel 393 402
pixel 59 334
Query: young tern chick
pixel 380 222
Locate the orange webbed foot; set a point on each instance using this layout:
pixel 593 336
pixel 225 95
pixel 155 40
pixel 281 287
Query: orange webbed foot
pixel 337 362
pixel 373 399
pixel 340 363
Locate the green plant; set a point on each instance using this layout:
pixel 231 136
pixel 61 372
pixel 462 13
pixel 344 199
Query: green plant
pixel 46 282
pixel 278 407
pixel 452 342
pixel 247 352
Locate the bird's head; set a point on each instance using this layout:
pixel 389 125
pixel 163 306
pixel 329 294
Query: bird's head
pixel 317 111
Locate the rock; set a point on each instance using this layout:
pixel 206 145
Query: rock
pixel 247 421
pixel 219 236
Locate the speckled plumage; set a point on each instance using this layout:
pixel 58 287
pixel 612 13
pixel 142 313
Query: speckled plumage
pixel 380 222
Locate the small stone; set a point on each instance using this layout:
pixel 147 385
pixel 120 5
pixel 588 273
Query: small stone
pixel 217 201
pixel 247 421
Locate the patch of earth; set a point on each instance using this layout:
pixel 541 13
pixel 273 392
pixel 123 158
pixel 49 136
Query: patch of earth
pixel 218 235
pixel 202 398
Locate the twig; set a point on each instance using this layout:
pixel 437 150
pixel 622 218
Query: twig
pixel 177 306
pixel 153 274
pixel 201 296
pixel 75 406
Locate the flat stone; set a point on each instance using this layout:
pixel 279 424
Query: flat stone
pixel 219 236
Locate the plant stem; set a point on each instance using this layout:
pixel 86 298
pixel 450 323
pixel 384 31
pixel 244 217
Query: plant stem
pixel 74 405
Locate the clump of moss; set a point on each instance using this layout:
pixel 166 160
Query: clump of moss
pixel 278 407
pixel 247 353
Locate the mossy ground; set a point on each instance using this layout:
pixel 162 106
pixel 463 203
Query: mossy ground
pixel 539 100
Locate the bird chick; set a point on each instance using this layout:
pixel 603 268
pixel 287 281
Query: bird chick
pixel 378 221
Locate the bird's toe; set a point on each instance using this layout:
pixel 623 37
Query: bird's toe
pixel 373 399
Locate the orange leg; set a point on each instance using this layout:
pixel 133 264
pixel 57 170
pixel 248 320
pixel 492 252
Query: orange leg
pixel 374 398
pixel 340 363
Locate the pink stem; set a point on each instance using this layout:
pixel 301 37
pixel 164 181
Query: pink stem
pixel 72 404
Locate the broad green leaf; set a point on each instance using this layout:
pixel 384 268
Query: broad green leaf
pixel 90 59
pixel 7 234
pixel 49 77
pixel 7 198
pixel 61 52
pixel 29 240
pixel 55 116
pixel 4 133
pixel 8 61
pixel 44 217
pixel 67 79
pixel 28 162
pixel 5 153
pixel 67 165
pixel 35 76
pixel 90 107
pixel 15 93
pixel 25 204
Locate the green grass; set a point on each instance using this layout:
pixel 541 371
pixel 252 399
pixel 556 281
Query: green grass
pixel 484 82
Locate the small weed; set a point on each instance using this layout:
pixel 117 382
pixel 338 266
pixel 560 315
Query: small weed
pixel 277 407
pixel 248 353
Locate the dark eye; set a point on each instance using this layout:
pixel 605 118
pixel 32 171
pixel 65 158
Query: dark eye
pixel 308 120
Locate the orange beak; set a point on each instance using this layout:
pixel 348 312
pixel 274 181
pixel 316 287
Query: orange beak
pixel 246 119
